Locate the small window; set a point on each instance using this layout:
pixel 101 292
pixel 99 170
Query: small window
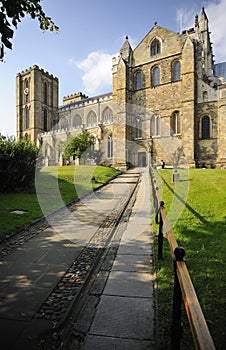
pixel 138 127
pixel 110 146
pixel 45 120
pixel 138 81
pixel 155 126
pixel 155 76
pixel 205 96
pixel 205 134
pixel 175 123
pixel 155 47
pixel 107 116
pixel 176 71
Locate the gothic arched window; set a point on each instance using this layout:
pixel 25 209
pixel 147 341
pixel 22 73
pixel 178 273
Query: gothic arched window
pixel 27 118
pixel 45 120
pixel 91 119
pixel 175 123
pixel 155 47
pixel 138 81
pixel 77 121
pixel 64 123
pixel 176 71
pixel 155 78
pixel 138 127
pixel 26 90
pixel 107 116
pixel 205 130
pixel 45 93
pixel 155 125
pixel 110 146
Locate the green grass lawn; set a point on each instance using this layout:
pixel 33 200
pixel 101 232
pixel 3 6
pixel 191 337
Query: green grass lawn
pixel 200 197
pixel 56 186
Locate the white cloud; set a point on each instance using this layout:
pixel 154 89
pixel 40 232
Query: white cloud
pixel 217 25
pixel 185 18
pixel 97 71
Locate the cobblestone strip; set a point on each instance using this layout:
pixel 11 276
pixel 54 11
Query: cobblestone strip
pixel 22 237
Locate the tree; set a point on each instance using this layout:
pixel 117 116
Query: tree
pixel 78 145
pixel 17 164
pixel 12 12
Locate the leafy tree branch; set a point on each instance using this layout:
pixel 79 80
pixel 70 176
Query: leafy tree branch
pixel 12 12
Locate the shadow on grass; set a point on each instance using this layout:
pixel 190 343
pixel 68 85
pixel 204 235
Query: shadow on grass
pixel 194 212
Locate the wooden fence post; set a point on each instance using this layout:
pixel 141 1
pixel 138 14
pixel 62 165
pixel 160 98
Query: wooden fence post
pixel 177 328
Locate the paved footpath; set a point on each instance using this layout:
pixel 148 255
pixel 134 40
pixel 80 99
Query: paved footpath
pixel 125 316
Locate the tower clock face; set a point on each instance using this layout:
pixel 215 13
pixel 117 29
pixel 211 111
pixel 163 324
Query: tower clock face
pixel 26 91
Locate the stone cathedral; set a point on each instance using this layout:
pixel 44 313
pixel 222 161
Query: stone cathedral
pixel 167 102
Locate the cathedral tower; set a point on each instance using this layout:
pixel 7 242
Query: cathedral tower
pixel 36 102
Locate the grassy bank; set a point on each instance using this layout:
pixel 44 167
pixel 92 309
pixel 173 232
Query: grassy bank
pixel 200 197
pixel 56 186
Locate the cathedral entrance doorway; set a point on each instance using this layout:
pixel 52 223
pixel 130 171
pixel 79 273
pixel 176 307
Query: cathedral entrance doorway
pixel 142 159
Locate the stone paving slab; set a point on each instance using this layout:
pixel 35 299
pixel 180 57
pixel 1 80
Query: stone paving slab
pixel 30 300
pixel 10 331
pixel 28 273
pixel 134 284
pixel 134 248
pixel 110 343
pixel 124 317
pixel 132 263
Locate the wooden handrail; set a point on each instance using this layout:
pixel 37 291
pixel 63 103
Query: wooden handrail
pixel 199 328
pixel 201 335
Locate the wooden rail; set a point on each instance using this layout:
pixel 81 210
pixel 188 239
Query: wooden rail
pixel 201 335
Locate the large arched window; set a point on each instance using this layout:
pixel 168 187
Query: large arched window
pixel 77 121
pixel 155 126
pixel 91 119
pixel 175 123
pixel 110 146
pixel 45 120
pixel 45 93
pixel 138 81
pixel 107 116
pixel 26 90
pixel 64 123
pixel 138 127
pixel 205 127
pixel 155 77
pixel 155 47
pixel 176 71
pixel 27 118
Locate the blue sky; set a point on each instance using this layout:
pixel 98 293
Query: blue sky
pixel 91 33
